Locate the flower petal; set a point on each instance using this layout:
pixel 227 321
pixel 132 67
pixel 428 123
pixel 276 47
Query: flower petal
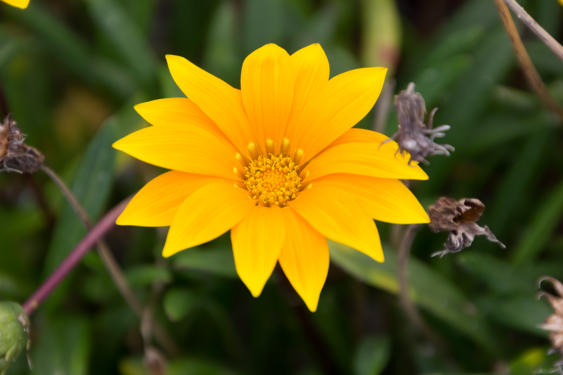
pixel 257 243
pixel 346 99
pixel 383 199
pixel 221 102
pixel 356 135
pixel 206 214
pixel 304 259
pixel 18 3
pixel 312 70
pixel 157 202
pixel 365 159
pixel 338 216
pixel 267 93
pixel 184 148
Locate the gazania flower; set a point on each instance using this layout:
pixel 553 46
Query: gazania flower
pixel 18 3
pixel 276 162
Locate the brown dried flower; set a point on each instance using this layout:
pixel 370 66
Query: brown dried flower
pixel 554 322
pixel 459 218
pixel 15 155
pixel 413 133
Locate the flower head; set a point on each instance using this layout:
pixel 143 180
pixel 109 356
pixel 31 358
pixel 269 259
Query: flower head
pixel 554 322
pixel 413 133
pixel 17 3
pixel 276 162
pixel 459 218
pixel 15 155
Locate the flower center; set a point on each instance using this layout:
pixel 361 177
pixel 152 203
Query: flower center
pixel 273 179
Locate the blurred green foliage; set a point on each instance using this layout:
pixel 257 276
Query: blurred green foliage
pixel 71 71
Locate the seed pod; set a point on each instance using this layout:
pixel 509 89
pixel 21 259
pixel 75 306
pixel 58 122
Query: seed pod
pixel 414 136
pixel 14 333
pixel 459 218
pixel 15 155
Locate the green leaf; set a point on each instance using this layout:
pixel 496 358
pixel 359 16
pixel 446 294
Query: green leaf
pixel 125 37
pixel 542 225
pixel 427 289
pixel 517 181
pixel 179 302
pixel 499 276
pixel 215 260
pixel 147 274
pixel 222 57
pixel 320 28
pixel 535 361
pixel 521 313
pixel 62 346
pixel 197 366
pixel 372 355
pixel 91 186
pixel 453 44
pixel 263 23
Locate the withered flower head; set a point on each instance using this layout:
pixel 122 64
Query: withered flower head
pixel 554 322
pixel 414 136
pixel 15 155
pixel 459 218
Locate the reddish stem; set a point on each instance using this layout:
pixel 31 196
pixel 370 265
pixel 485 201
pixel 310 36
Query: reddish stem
pixel 89 241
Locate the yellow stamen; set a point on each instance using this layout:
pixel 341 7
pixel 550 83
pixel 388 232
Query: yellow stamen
pixel 270 147
pixel 298 156
pixel 285 147
pixel 253 150
pixel 273 180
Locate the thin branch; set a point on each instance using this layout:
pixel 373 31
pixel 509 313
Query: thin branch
pixel 98 231
pixel 406 302
pixel 530 71
pixel 110 262
pixel 536 28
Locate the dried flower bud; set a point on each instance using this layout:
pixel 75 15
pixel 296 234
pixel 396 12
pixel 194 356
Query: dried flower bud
pixel 413 133
pixel 459 218
pixel 14 331
pixel 554 322
pixel 15 155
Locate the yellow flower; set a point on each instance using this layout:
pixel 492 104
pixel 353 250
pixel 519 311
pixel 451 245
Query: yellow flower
pixel 276 162
pixel 17 3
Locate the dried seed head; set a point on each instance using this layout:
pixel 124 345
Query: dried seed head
pixel 15 155
pixel 554 322
pixel 414 136
pixel 459 218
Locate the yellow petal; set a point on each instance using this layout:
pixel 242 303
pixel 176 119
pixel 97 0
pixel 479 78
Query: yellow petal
pixel 257 243
pixel 311 69
pixel 267 93
pixel 304 259
pixel 383 199
pixel 207 213
pixel 179 111
pixel 182 148
pixel 365 159
pixel 346 99
pixel 221 102
pixel 18 3
pixel 338 216
pixel 356 135
pixel 157 202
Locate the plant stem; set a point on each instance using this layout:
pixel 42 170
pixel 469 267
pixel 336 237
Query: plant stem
pixel 107 257
pixel 408 306
pixel 528 67
pixel 98 231
pixel 536 28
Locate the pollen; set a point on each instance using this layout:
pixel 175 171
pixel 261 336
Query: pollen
pixel 273 179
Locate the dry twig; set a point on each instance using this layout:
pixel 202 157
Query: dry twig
pixel 530 71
